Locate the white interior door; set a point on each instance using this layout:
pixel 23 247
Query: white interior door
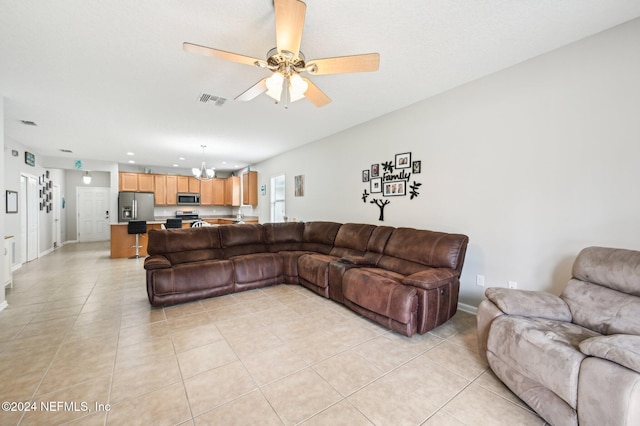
pixel 56 232
pixel 93 214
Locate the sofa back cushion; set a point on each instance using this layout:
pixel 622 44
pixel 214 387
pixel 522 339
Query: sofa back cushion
pixel 352 239
pixel 284 236
pixel 186 245
pixel 409 250
pixel 247 238
pixel 604 293
pixel 618 269
pixel 319 236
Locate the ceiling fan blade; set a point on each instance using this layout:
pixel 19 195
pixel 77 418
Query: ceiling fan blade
pixel 220 54
pixel 289 24
pixel 345 64
pixel 315 95
pixel 253 91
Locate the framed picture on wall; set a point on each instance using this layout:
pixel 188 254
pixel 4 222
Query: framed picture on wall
pixel 403 161
pixel 365 175
pixel 375 170
pixel 299 185
pixel 395 188
pixel 12 201
pixel 416 167
pixel 376 185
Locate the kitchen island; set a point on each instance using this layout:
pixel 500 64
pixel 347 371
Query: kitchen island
pixel 122 243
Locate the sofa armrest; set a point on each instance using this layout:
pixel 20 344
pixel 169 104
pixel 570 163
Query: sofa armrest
pixel 529 303
pixel 623 349
pixel 156 261
pixel 430 278
pixel 356 260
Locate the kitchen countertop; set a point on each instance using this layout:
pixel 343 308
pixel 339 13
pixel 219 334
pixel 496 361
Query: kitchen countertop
pixel 163 219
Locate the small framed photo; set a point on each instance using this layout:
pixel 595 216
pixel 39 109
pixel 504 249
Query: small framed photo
pixel 403 161
pixel 299 185
pixel 46 174
pixel 395 188
pixel 49 184
pixel 365 175
pixel 376 185
pixel 375 170
pixel 416 167
pixel 12 202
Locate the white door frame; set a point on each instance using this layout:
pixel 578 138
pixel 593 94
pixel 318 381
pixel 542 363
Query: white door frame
pixel 30 209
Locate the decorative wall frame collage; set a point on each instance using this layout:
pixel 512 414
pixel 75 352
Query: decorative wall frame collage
pixel 391 179
pixel 46 192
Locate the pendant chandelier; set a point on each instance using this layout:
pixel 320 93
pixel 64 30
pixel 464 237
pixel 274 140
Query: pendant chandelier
pixel 203 173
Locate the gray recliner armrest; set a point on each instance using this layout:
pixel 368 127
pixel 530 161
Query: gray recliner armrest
pixel 623 349
pixel 529 303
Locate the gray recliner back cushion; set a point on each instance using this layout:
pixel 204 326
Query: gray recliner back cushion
pixel 602 309
pixel 618 269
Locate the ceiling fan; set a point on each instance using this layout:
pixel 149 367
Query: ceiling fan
pixel 286 61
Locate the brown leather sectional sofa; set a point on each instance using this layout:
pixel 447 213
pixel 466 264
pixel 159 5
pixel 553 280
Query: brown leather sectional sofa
pixel 403 278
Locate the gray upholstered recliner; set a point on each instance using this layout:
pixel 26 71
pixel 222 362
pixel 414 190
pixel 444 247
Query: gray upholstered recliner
pixel 574 359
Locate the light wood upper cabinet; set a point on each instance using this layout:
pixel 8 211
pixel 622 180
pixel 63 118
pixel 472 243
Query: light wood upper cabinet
pixel 232 191
pixel 194 185
pixel 127 181
pixel 250 188
pixel 145 182
pixel 183 183
pixel 160 189
pixel 206 193
pixel 171 190
pixel 218 192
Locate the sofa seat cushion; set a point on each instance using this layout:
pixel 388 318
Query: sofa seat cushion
pixel 543 350
pixel 380 294
pixel 257 267
pixel 193 277
pixel 314 268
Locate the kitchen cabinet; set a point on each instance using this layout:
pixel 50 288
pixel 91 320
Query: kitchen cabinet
pixel 250 188
pixel 160 189
pixel 183 184
pixel 171 182
pixel 136 182
pixel 218 191
pixel 128 181
pixel 206 193
pixel 232 191
pixel 194 185
pixel 145 182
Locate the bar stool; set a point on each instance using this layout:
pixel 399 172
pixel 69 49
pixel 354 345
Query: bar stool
pixel 174 223
pixel 137 227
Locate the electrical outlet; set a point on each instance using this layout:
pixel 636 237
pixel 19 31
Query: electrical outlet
pixel 480 280
pixel 513 284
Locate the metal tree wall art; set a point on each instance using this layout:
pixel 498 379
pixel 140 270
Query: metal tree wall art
pixel 391 179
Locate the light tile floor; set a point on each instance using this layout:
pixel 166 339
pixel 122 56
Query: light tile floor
pixel 80 344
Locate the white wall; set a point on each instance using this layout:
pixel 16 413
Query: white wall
pixel 533 163
pixel 3 302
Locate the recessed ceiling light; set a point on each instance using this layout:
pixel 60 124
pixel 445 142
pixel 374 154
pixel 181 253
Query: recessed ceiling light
pixel 224 162
pixel 130 153
pixel 132 162
pixel 175 165
pixel 181 158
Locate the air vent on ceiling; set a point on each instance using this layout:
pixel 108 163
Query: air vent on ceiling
pixel 68 151
pixel 206 98
pixel 28 123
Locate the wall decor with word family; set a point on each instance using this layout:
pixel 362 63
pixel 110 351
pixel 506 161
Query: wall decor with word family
pixel 390 179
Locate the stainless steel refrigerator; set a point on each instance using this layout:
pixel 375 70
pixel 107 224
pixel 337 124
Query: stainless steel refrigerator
pixel 135 206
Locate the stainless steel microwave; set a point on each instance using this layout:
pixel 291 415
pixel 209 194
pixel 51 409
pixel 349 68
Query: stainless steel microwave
pixel 188 199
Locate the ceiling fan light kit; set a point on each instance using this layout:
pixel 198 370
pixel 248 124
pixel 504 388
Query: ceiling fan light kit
pixel 286 62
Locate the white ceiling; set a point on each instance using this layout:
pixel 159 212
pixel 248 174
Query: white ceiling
pixel 102 78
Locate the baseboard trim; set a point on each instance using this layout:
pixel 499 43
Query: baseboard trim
pixel 3 305
pixel 70 242
pixel 468 308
